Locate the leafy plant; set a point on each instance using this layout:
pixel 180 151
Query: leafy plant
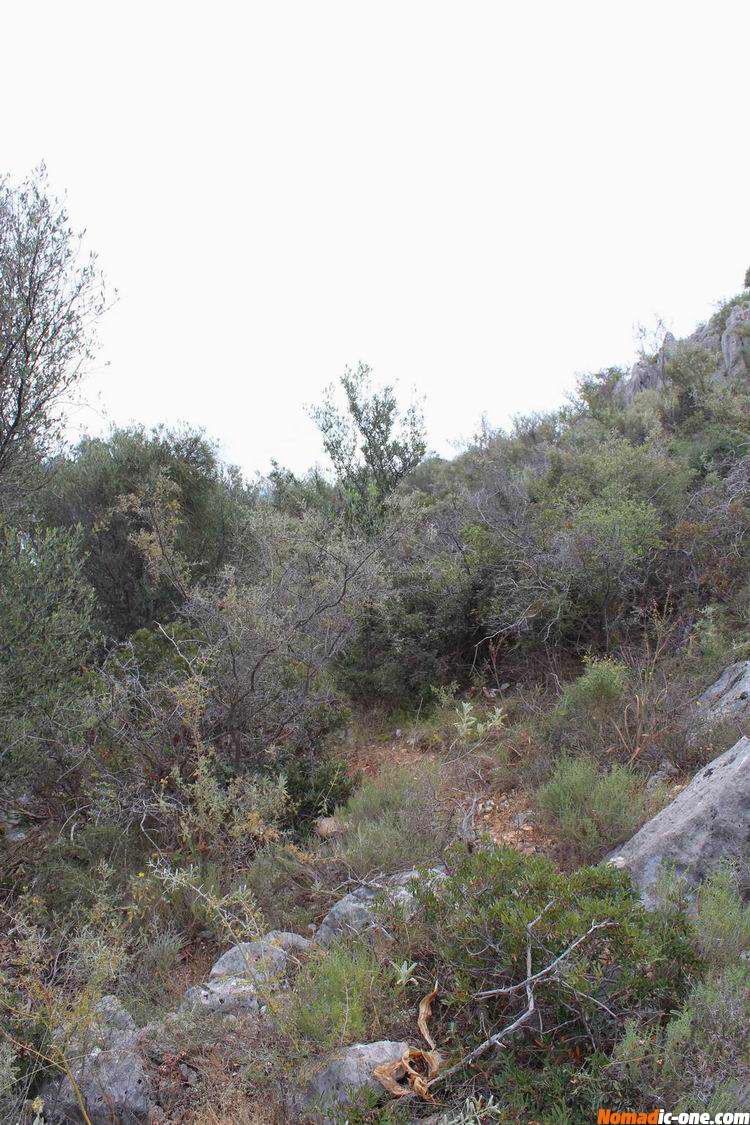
pixel 592 809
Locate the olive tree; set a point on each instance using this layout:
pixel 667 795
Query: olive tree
pixel 47 636
pixel 51 296
pixel 270 629
pixel 372 443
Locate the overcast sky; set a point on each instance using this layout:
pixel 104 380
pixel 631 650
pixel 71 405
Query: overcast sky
pixel 479 199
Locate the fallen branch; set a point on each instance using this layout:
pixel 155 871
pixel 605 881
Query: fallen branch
pixel 548 969
pixel 528 984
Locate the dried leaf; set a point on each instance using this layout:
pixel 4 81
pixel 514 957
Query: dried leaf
pixel 388 1074
pixel 417 1081
pixel 425 1011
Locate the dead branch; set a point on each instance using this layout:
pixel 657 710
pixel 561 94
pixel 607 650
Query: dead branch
pixel 548 969
pixel 528 984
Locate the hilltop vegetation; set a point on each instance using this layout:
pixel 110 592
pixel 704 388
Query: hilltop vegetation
pixel 194 669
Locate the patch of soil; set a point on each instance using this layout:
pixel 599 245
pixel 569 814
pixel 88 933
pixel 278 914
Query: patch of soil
pixel 370 758
pixel 511 820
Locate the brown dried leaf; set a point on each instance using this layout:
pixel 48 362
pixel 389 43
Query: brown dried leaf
pixel 425 1011
pixel 417 1082
pixel 387 1075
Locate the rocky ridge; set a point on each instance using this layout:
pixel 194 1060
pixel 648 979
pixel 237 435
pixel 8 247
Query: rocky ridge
pixel 728 347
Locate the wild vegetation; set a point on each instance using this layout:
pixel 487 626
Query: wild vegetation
pixel 196 668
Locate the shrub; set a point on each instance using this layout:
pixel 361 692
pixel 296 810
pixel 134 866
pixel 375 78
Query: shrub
pixel 723 919
pixel 699 1061
pixel 339 999
pixel 473 938
pixel 90 487
pixel 600 688
pixel 46 636
pixel 315 786
pixel 395 822
pixel 592 810
pixel 285 882
pixel 66 878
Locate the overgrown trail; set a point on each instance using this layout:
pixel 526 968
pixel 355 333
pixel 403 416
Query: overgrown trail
pixel 374 750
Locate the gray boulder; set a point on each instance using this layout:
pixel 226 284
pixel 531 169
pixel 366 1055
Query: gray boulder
pixel 666 773
pixel 246 973
pixel 708 822
pixel 223 995
pixel 644 375
pixel 728 350
pixel 349 1071
pixel 729 697
pixel 351 914
pixel 108 1068
pixel 355 912
pixel 261 960
pixel 650 374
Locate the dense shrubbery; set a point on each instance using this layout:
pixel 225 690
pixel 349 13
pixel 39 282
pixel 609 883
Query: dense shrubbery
pixel 698 1061
pixel 106 486
pixel 179 651
pixel 473 937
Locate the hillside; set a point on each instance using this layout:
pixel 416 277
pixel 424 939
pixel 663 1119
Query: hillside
pixel 411 791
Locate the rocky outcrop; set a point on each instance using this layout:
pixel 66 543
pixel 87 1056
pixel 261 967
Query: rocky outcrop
pixel 246 972
pixel 356 911
pixel 728 351
pixel 707 823
pixel 351 914
pixel 649 374
pixel 729 697
pixel 344 1075
pixel 735 343
pixel 107 1066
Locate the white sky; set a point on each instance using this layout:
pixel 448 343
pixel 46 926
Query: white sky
pixel 480 199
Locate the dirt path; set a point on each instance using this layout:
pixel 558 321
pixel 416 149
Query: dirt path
pixel 508 817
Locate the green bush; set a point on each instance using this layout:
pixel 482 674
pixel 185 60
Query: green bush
pixel 316 786
pixel 592 810
pixel 473 937
pixel 339 998
pixel 285 882
pixel 723 919
pixel 66 876
pixel 699 1059
pixel 601 687
pixel 392 823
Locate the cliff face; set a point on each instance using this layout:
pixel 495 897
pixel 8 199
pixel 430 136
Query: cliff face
pixel 728 344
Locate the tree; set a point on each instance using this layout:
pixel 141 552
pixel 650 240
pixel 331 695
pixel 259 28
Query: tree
pixel 271 628
pixel 46 637
pixel 104 485
pixel 372 443
pixel 51 296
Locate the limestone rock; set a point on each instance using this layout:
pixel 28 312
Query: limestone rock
pixel 729 697
pixel 729 351
pixel 707 823
pixel 666 772
pixel 349 1071
pixel 735 342
pixel 108 1068
pixel 223 995
pixel 261 960
pixel 246 973
pixel 355 912
pixel 351 914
